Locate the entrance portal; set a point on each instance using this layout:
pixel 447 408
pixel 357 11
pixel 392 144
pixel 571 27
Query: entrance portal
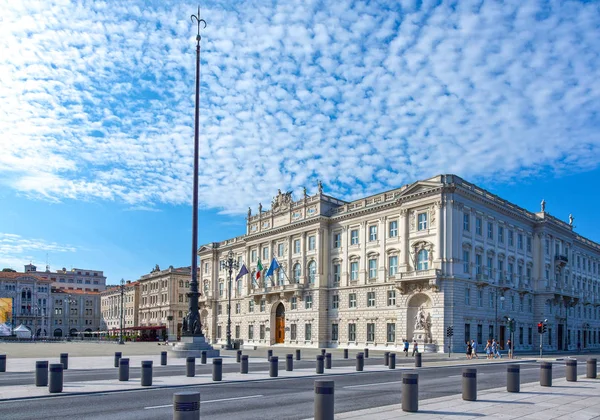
pixel 280 324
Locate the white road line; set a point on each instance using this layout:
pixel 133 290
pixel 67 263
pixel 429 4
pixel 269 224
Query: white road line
pixel 377 384
pixel 209 401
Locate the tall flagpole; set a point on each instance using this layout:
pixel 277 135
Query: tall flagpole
pixel 192 324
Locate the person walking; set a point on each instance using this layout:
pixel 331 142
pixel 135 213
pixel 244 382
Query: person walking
pixel 510 349
pixel 415 347
pixel 474 347
pixel 498 349
pixel 494 349
pixel 488 350
pixel 406 344
pixel 469 350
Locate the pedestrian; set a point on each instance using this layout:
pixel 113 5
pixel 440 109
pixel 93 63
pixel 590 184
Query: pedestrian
pixel 406 344
pixel 510 349
pixel 415 347
pixel 498 349
pixel 494 348
pixel 488 350
pixel 474 346
pixel 469 350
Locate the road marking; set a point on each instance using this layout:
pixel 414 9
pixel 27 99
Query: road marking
pixel 379 383
pixel 209 401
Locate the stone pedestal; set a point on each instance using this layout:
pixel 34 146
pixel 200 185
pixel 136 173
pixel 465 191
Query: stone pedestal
pixel 193 346
pixel 423 337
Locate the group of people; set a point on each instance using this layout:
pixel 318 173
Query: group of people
pixel 492 349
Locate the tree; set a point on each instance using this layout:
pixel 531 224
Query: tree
pixel 8 270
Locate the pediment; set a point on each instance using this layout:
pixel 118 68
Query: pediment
pixel 420 187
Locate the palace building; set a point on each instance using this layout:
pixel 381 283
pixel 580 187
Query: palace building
pixel 405 264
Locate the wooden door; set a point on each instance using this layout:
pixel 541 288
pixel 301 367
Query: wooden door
pixel 279 330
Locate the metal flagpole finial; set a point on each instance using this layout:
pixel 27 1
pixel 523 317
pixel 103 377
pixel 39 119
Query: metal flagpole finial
pixel 199 21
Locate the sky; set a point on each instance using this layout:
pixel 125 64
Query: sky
pixel 97 115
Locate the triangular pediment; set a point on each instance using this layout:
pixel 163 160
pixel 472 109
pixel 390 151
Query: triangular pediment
pixel 420 187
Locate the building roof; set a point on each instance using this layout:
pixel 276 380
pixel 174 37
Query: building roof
pixel 14 276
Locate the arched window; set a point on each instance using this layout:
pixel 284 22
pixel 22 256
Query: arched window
pixel 297 273
pixel 312 272
pixel 423 260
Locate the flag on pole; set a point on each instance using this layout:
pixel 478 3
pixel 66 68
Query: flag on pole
pixel 243 272
pixel 259 269
pixel 274 266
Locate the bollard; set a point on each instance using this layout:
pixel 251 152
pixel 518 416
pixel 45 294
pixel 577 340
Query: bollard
pixel 163 358
pixel 244 364
pixel 41 373
pixel 386 358
pixel 546 374
pixel 274 367
pixel 513 378
pixel 418 360
pixel 324 400
pixel 289 362
pixel 571 370
pixel 345 353
pixel 469 384
pixel 146 379
pixel 118 356
pixel 323 352
pixel 217 373
pixel 238 357
pixel 297 354
pixel 64 359
pixel 186 406
pixel 366 353
pixel 2 362
pixel 360 362
pixel 327 360
pixel 190 366
pixel 269 354
pixel 392 361
pixel 203 357
pixel 56 378
pixel 123 369
pixel 591 371
pixel 410 392
pixel 320 364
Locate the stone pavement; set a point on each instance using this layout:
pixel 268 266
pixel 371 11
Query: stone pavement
pixel 564 400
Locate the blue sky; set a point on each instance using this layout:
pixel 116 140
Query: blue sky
pixel 96 122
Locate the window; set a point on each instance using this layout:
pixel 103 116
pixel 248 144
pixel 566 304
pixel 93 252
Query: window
pixel 520 240
pixel 262 332
pixel 253 255
pixel 393 229
pixel 221 289
pixel 372 233
pixel 251 306
pixel 423 260
pixel 370 299
pixel 336 275
pixel 500 234
pixel 312 243
pixel 466 222
pixel 422 218
pixel 334 332
pixel 391 297
pixel 262 305
pixel 307 332
pixel 337 240
pixel 308 302
pixel 293 332
pixel 251 332
pixel 480 298
pixel 312 272
pixel 219 331
pixel 512 303
pixel 490 265
pixel 530 336
pixel 354 237
pixel 370 332
pixel 530 305
pixel 491 300
pixel 467 332
pixel 547 247
pixel 372 268
pixel 393 265
pixel 239 287
pixel 479 333
pixel 490 230
pixel 238 308
pixel 467 296
pixel 354 270
pixel 296 246
pixel 280 249
pixel 511 238
pixel 391 333
pixel 466 264
pixel 352 300
pixel 478 263
pixel 478 224
pixel 297 273
pixel 351 332
pixel 521 303
pixel 294 303
pixel 237 331
pixel 335 302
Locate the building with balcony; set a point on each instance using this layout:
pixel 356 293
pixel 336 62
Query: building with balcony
pixel 406 263
pixel 110 304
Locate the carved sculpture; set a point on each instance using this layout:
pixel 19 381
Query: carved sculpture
pixel 420 319
pixel 281 202
pixel 320 185
pixel 571 219
pixel 543 205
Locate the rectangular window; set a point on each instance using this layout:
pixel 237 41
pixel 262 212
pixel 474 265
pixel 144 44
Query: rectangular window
pixel 262 332
pixel 294 303
pixel 337 240
pixel 521 303
pixel 547 247
pixel 530 336
pixel 478 225
pixel 219 332
pixel 352 300
pixel 422 218
pixel 351 332
pixel 467 296
pixel 237 331
pixel 336 274
pixel 467 332
pixel 530 305
pixel 238 308
pixel 490 266
pixel 219 310
pixel 354 270
pixel 480 298
pixel 296 246
pixel 521 335
pixel 520 240
pixel 334 332
pixel 335 301
pixel 262 305
pixel 511 241
pixel 500 234
pixel 308 302
pixel 372 233
pixel 466 222
pixel 370 299
pixel 370 332
pixel 478 263
pixel 312 243
pixel 393 229
pixel 307 332
pixel 490 230
pixel 280 249
pixel 253 255
pixel 393 265
pixel 265 253
pixel 491 299
pixel 354 237
pixel 466 262
pixel 293 332
pixel 391 333
pixel 480 334
pixel 391 298
pixel 372 268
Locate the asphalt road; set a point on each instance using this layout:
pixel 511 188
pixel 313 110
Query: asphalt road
pixel 268 399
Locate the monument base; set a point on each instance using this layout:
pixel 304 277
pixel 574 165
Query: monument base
pixel 193 346
pixel 430 348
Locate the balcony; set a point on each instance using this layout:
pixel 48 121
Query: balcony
pixel 418 280
pixel 291 288
pixel 561 260
pixel 482 279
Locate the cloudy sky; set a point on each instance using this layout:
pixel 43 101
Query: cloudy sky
pixel 96 115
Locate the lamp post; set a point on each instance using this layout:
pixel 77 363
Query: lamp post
pixel 229 264
pixel 122 312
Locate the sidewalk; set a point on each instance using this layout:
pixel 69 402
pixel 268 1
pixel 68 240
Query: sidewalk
pixel 564 400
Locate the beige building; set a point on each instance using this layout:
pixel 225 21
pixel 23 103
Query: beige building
pixel 163 302
pixel 110 303
pixel 406 263
pixel 75 312
pixel 84 280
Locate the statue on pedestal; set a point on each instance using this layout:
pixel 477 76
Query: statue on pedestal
pixel 422 332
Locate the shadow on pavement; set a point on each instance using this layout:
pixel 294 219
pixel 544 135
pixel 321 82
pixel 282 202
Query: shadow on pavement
pixel 450 413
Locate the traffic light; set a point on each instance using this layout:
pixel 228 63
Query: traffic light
pixel 540 328
pixel 544 328
pixel 449 332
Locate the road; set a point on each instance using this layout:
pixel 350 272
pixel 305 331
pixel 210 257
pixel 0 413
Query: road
pixel 268 399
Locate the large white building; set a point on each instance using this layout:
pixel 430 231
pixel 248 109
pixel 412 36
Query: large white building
pixel 406 263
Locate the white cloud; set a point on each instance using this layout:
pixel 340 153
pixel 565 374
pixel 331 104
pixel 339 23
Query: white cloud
pixel 98 97
pixel 17 251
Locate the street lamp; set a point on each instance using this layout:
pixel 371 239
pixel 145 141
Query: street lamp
pixel 229 264
pixel 122 314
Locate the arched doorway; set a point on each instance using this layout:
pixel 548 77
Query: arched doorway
pixel 58 332
pixel 280 324
pixel 73 332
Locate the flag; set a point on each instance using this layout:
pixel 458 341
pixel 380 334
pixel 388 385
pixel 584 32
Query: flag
pixel 259 269
pixel 242 272
pixel 274 266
